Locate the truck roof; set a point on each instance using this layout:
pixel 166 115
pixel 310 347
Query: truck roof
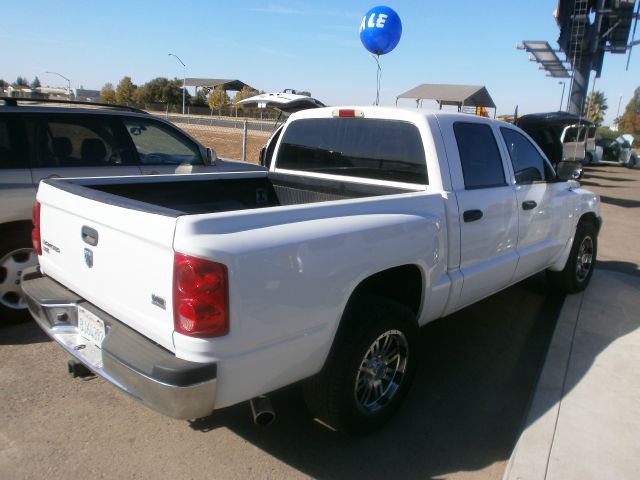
pixel 397 113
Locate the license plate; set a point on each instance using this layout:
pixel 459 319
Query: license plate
pixel 91 327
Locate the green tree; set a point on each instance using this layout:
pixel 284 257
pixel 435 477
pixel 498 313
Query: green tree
pixel 200 99
pixel 246 92
pixel 3 84
pixel 125 91
pixel 630 121
pixel 108 94
pixel 36 83
pixel 595 107
pixel 218 98
pixel 21 82
pixel 161 90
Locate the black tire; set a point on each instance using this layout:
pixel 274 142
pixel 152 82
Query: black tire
pixel 16 253
pixel 333 397
pixel 582 260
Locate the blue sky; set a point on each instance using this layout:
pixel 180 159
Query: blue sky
pixel 293 44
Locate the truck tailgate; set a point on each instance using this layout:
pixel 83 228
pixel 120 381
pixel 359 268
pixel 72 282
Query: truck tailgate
pixel 122 263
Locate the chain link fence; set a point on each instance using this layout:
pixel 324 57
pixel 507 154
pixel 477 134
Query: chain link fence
pixel 235 133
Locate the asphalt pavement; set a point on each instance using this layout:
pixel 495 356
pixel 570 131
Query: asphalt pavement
pixel 469 407
pixel 584 419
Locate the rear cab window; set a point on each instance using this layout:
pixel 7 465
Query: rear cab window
pixel 371 148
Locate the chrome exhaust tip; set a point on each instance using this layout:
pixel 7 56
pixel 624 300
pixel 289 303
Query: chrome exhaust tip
pixel 262 411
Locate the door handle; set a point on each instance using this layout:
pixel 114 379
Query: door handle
pixel 472 215
pixel 529 205
pixel 89 235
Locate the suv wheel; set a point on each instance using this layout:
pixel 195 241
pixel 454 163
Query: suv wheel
pixel 16 255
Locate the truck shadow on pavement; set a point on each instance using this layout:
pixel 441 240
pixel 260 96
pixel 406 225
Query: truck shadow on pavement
pixel 620 202
pixel 478 371
pixel 619 266
pixel 22 333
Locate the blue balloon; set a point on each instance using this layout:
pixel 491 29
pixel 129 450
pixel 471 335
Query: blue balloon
pixel 380 30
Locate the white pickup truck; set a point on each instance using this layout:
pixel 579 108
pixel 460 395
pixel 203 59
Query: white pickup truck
pixel 193 293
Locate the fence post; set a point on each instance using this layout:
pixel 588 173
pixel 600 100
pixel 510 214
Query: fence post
pixel 244 141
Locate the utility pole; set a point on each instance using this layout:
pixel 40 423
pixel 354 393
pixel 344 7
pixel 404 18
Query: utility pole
pixel 184 80
pixel 68 82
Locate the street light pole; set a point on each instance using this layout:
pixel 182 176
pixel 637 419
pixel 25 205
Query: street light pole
pixel 564 84
pixel 184 80
pixel 619 102
pixel 68 82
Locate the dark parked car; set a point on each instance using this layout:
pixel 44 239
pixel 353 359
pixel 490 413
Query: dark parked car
pixel 561 135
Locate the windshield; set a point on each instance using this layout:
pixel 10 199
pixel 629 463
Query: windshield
pixel 371 148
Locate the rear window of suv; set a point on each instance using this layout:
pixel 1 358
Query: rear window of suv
pixel 8 157
pixel 378 149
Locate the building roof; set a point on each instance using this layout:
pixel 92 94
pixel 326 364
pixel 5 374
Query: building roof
pixel 445 94
pixel 214 82
pixel 85 93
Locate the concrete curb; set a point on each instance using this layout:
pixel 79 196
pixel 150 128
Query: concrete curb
pixel 530 457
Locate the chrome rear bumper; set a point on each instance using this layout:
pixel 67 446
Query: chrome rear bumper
pixel 128 360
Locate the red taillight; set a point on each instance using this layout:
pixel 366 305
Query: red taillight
pixel 200 297
pixel 36 241
pixel 346 113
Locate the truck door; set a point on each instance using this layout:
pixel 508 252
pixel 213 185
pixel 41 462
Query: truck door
pixel 488 213
pixel 544 205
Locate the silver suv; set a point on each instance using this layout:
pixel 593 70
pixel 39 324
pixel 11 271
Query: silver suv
pixel 41 140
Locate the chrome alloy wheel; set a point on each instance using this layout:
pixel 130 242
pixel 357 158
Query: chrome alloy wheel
pixel 11 267
pixel 585 258
pixel 381 371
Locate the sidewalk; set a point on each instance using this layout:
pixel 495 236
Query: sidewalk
pixel 584 420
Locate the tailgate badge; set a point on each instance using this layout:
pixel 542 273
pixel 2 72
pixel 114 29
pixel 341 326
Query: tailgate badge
pixel 88 257
pixel 158 301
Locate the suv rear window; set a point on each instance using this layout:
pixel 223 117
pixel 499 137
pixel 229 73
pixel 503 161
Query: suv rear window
pixel 359 147
pixel 7 148
pixel 74 141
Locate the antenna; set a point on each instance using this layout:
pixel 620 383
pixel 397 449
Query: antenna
pixel 633 35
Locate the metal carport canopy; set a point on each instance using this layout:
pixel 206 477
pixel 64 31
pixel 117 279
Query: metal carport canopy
pixel 445 94
pixel 214 82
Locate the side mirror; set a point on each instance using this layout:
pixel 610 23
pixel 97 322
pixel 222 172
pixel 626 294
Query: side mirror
pixel 212 157
pixel 569 170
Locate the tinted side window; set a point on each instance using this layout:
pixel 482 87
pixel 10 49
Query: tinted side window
pixel 360 147
pixel 8 149
pixel 74 141
pixel 479 154
pixel 158 145
pixel 528 164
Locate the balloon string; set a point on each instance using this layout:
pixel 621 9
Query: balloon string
pixel 378 78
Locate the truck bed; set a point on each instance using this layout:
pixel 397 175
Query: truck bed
pixel 210 193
